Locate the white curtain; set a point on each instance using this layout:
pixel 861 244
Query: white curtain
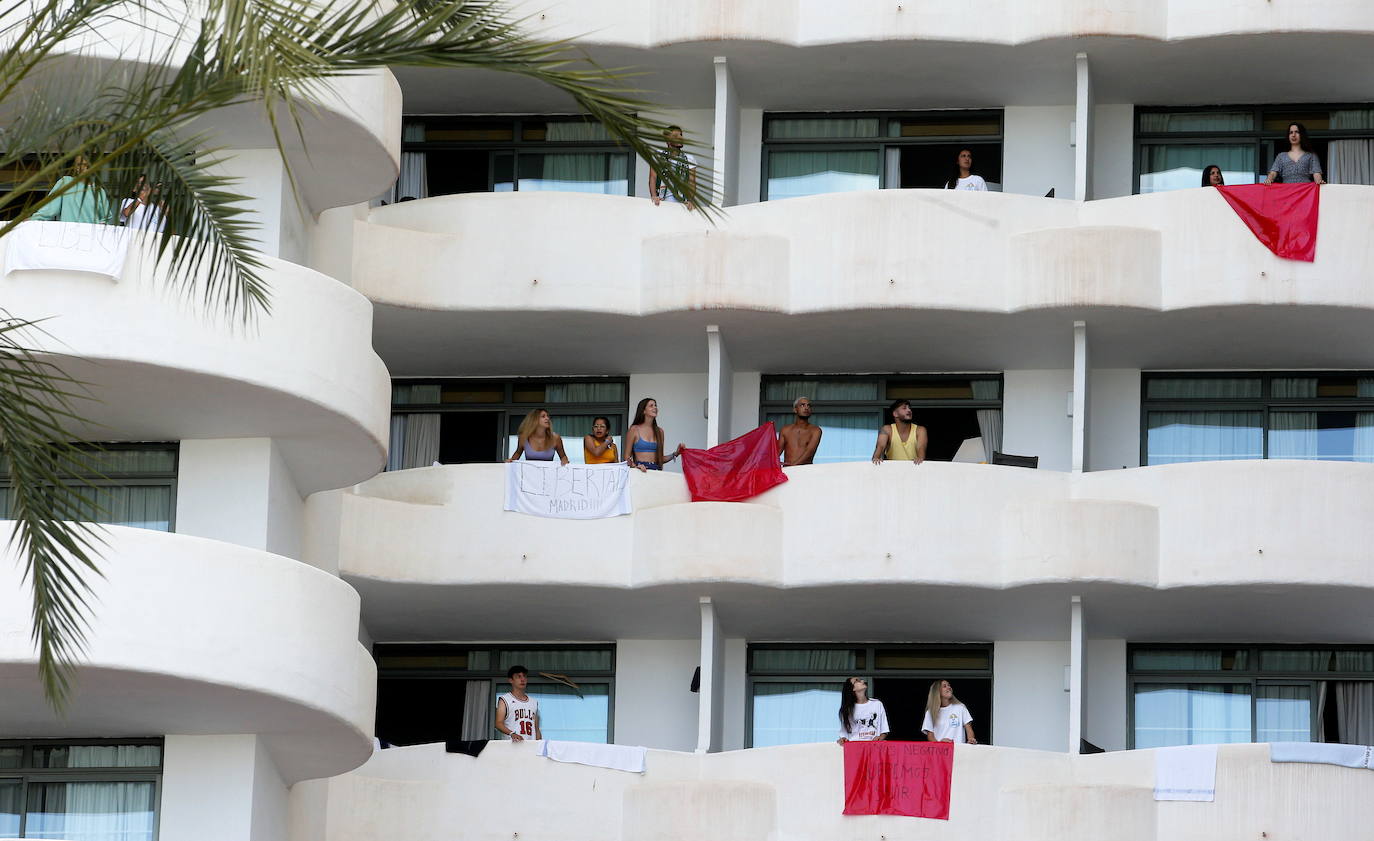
pixel 804 659
pixel 11 804
pixel 892 177
pixel 477 710
pixel 795 713
pixel 414 178
pixel 575 172
pixel 821 390
pixel 421 441
pixel 1175 437
pixel 1283 714
pixel 114 756
pixel 1351 161
pixel 1187 388
pixel 1354 711
pixel 94 811
pixel 989 420
pixel 1364 436
pixel 822 127
pixel 792 174
pixel 1293 435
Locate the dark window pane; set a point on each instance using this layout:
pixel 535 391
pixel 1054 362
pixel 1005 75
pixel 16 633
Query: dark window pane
pixel 952 659
pixel 527 394
pixel 1189 659
pixel 97 756
pixel 1203 388
pixel 801 660
pixel 563 131
pixel 944 127
pixel 11 757
pixel 471 132
pixel 495 393
pixel 1193 122
pixel 1296 660
pixel 457 660
pixel 1281 120
pixel 821 390
pixel 557 660
pixel 928 390
pixel 814 128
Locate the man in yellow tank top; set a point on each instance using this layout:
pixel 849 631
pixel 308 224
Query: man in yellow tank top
pixel 900 440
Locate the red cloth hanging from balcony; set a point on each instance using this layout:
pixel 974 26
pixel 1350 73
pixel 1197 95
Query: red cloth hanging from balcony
pixel 898 778
pixel 1282 216
pixel 735 470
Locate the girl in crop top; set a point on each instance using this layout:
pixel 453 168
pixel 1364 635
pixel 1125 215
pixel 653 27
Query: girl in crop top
pixel 536 439
pixel 598 448
pixel 644 439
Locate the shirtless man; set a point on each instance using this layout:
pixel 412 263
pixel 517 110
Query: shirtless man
pixel 799 440
pixel 900 440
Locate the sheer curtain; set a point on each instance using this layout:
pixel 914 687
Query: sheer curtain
pixel 575 172
pixel 91 811
pixel 1283 713
pixel 795 713
pixel 804 659
pixel 989 420
pixel 478 708
pixel 1354 711
pixel 1351 161
pixel 821 127
pixel 1293 435
pixel 11 801
pixel 1174 437
pixel 414 178
pixel 792 174
pixel 1180 166
pixel 821 390
pixel 845 436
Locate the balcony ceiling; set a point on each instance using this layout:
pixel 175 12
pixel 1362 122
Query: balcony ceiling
pixel 1267 68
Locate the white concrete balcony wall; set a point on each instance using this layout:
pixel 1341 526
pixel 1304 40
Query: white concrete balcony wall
pixel 797 793
pixel 199 637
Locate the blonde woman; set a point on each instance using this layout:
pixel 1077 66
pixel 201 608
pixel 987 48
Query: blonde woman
pixel 537 440
pixel 947 720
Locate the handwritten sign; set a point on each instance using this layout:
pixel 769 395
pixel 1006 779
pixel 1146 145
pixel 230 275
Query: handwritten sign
pixel 898 778
pixel 574 492
pixel 67 246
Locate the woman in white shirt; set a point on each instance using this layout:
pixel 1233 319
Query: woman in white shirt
pixel 144 210
pixel 963 177
pixel 862 719
pixel 946 719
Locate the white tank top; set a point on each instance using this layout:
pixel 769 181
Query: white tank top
pixel 520 715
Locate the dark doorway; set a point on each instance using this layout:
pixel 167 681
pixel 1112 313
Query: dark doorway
pixel 932 165
pixel 946 429
pixel 458 171
pixel 905 702
pixel 419 711
pixel 468 437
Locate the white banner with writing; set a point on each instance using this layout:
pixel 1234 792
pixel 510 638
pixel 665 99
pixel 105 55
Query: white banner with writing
pixel 574 492
pixel 67 246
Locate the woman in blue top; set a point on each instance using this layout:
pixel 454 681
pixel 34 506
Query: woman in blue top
pixel 644 439
pixel 1299 164
pixel 537 440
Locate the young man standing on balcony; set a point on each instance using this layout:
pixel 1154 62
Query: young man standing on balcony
pixel 517 714
pixel 681 162
pixel 900 440
pixel 799 440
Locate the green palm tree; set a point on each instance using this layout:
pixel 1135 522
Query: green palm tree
pixel 103 122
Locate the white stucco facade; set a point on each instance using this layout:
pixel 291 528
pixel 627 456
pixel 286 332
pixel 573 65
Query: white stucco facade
pixel 308 600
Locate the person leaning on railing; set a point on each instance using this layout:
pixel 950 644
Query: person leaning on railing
pixel 83 202
pixel 1299 164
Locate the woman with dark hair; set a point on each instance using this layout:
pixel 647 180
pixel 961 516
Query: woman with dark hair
pixel 946 719
pixel 1211 176
pixel 1299 164
pixel 862 719
pixel 598 448
pixel 537 440
pixel 962 177
pixel 644 439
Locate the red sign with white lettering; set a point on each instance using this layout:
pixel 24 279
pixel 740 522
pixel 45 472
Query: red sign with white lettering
pixel 898 778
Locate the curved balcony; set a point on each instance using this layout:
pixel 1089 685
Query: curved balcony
pixel 193 636
pixel 161 368
pixel 1167 277
pixel 796 792
pixel 351 125
pixel 1141 543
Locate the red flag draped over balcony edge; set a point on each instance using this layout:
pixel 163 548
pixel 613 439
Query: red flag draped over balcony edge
pixel 1282 216
pixel 898 778
pixel 735 470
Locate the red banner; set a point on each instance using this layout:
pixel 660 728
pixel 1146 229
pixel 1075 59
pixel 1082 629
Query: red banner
pixel 898 778
pixel 735 470
pixel 1282 216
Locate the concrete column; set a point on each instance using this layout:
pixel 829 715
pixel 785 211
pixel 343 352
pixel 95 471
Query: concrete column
pixel 282 224
pixel 711 704
pixel 1082 137
pixel 221 788
pixel 720 384
pixel 1079 448
pixel 239 490
pixel 725 160
pixel 1076 635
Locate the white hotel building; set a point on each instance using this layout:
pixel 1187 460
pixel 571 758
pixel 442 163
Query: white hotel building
pixel 1192 561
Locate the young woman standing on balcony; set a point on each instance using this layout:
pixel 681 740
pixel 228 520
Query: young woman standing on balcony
pixel 1299 164
pixel 598 448
pixel 862 719
pixel 946 719
pixel 644 439
pixel 537 440
pixel 962 177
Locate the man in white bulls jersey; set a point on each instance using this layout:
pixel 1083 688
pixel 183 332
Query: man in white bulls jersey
pixel 517 714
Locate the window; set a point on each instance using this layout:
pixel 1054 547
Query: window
pixel 850 409
pixel 447 155
pixel 811 154
pixel 132 485
pixel 465 421
pixel 794 689
pixel 79 791
pixel 1198 694
pixel 1175 145
pixel 1226 416
pixel 433 693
